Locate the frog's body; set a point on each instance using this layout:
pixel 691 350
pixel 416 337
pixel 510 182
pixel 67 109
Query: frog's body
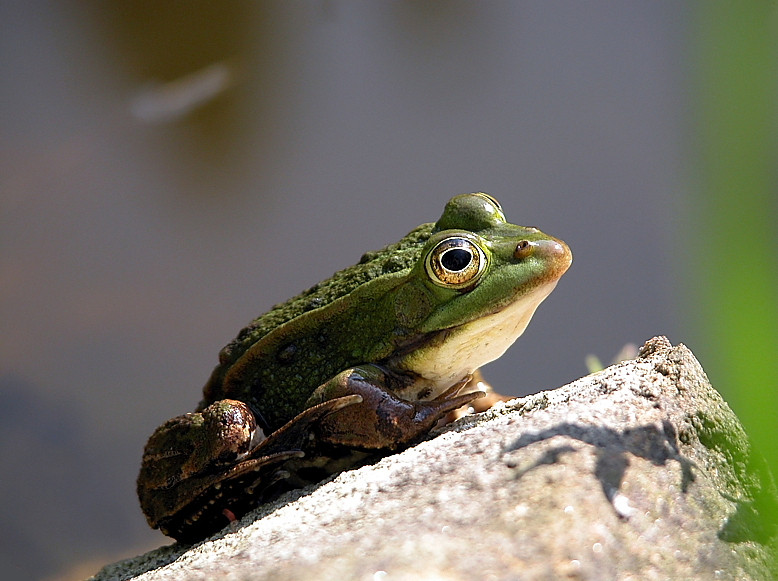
pixel 366 361
pixel 315 335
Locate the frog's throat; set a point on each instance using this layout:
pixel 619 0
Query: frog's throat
pixel 467 347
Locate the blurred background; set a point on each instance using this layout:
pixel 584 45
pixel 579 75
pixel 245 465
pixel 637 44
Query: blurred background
pixel 169 171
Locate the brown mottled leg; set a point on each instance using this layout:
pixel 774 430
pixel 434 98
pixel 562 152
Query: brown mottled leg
pixel 382 420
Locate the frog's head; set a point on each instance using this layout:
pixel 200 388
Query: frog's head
pixel 485 278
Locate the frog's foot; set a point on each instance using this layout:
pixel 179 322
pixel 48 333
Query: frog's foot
pixel 477 383
pixel 194 481
pixel 296 432
pixel 382 420
pixel 224 498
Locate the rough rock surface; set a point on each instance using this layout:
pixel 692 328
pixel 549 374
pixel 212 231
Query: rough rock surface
pixel 640 471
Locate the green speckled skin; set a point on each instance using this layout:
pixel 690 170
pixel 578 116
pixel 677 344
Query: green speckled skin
pixel 367 313
pixel 364 363
pixel 277 361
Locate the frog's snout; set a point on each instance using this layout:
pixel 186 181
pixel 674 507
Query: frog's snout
pixel 559 252
pixel 551 249
pixel 555 248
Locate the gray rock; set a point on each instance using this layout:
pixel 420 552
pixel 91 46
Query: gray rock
pixel 640 471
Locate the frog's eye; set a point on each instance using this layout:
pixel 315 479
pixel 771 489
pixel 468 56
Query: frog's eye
pixel 456 262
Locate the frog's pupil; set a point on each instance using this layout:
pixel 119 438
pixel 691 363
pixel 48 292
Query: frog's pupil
pixel 455 259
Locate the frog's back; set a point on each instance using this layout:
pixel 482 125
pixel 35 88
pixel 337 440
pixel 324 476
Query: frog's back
pixel 393 258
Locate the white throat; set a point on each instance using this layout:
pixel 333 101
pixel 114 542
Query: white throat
pixel 469 346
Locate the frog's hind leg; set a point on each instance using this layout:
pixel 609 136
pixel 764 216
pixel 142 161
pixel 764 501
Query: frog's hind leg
pixel 194 479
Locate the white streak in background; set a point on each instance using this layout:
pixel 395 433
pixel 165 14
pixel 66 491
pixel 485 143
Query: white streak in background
pixel 167 102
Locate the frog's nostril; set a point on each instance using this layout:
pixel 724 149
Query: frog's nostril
pixel 523 249
pixel 547 249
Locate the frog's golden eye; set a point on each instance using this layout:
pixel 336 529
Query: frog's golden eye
pixel 456 262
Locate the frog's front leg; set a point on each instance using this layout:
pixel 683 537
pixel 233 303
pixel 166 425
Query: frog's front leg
pixel 382 420
pixel 478 383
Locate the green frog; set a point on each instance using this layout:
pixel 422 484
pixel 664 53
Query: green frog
pixel 360 365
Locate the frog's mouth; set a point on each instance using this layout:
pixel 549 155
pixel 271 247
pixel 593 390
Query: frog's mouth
pixel 453 353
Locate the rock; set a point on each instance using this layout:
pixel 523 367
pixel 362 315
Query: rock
pixel 640 471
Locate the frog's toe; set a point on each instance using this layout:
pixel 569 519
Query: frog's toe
pixel 482 403
pixel 450 400
pixel 294 434
pixel 223 499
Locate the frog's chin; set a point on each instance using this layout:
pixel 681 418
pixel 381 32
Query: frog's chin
pixel 462 349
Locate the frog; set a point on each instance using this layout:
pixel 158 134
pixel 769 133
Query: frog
pixel 361 365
